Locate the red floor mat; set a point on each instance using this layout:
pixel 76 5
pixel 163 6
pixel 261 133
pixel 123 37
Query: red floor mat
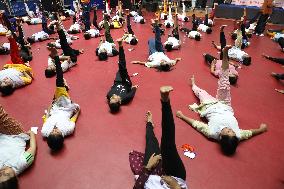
pixel 96 156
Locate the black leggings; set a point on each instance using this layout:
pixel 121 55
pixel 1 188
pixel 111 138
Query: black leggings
pixel 171 161
pixel 130 31
pixel 222 43
pixel 59 73
pixel 277 60
pixel 260 27
pixel 122 74
pixel 281 42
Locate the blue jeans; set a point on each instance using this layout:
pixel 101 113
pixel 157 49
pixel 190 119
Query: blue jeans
pixel 155 45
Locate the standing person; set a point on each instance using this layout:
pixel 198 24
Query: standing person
pixel 266 11
pixel 61 116
pixel 14 158
pixel 222 124
pixel 122 90
pixel 86 15
pixel 152 167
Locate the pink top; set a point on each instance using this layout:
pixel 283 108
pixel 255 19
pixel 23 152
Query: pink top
pixel 218 67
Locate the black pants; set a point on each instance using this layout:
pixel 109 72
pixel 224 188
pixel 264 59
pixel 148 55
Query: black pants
pixel 175 33
pixel 171 161
pixel 260 27
pixel 243 29
pixel 86 20
pixel 209 59
pixel 130 31
pixel 122 74
pixel 59 73
pixel 281 42
pixel 67 50
pixel 277 60
pixel 223 43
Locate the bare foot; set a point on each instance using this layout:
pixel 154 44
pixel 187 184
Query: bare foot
pixel 222 27
pixel 149 117
pixel 265 56
pixel 226 48
pixel 119 41
pixel 81 51
pixel 179 114
pixel 275 75
pixel 192 80
pixel 280 91
pixel 165 91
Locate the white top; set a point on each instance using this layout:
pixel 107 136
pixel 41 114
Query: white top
pixel 65 65
pixel 12 149
pixel 36 20
pixel 106 46
pixel 156 182
pixel 2 29
pixel 202 27
pixel 219 116
pixel 236 53
pixel 14 75
pixel 70 12
pixel 93 32
pixel 6 46
pixel 156 58
pixel 40 35
pixel 192 34
pixel 133 13
pixel 60 113
pixel 138 18
pixel 75 27
pixel 174 42
pixel 169 22
pixel 57 42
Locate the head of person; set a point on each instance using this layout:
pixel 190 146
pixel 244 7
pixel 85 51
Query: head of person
pixel 4 50
pixel 169 46
pixel 234 36
pixel 185 19
pixel 209 30
pixel 233 79
pixel 142 21
pixel 8 178
pixel 168 25
pixel 246 60
pixel 165 66
pixel 51 27
pixel 103 55
pixel 31 40
pixel 133 41
pixel 87 36
pixel 114 52
pixel 55 140
pixel 6 86
pixel 50 71
pixel 228 141
pixel 51 45
pixel 197 37
pixel 114 103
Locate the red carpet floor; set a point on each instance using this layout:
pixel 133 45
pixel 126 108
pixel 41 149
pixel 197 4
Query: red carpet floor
pixel 96 156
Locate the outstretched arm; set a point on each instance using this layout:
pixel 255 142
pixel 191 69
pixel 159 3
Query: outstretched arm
pixel 32 148
pixel 198 125
pixel 246 134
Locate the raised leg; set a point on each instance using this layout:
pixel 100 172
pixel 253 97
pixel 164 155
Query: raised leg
pixel 171 161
